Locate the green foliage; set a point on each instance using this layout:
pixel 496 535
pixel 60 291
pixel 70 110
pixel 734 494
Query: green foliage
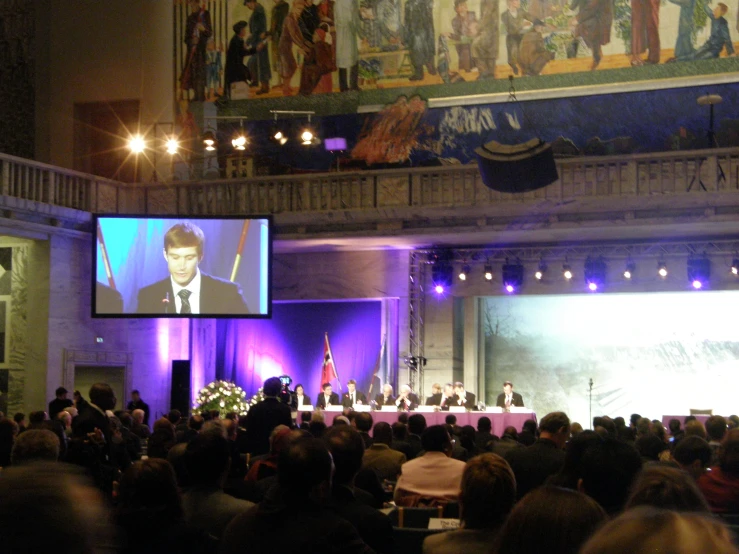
pixel 700 19
pixel 622 20
pixel 222 396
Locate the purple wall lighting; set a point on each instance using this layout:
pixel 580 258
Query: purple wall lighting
pixel 335 144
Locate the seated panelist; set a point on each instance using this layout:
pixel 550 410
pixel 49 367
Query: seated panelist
pixel 299 398
pixel 508 398
pixel 406 399
pixel 386 398
pixel 328 397
pixel 353 397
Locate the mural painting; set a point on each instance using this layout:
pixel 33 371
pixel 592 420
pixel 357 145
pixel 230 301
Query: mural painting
pixel 241 49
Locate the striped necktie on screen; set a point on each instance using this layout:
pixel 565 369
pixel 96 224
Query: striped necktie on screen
pixel 184 294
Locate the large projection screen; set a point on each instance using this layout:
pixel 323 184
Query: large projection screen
pixel 649 353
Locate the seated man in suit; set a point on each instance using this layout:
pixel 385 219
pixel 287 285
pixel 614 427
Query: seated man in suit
pixel 353 396
pixel 386 398
pixel 464 398
pixel 187 290
pixel 447 398
pixel 508 398
pixel 328 397
pixel 434 478
pixel 406 400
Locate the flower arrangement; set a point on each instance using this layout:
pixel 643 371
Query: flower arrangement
pixel 258 397
pixel 222 396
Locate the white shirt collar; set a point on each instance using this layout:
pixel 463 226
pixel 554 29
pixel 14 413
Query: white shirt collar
pixel 194 288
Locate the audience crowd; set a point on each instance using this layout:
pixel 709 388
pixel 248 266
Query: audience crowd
pixel 82 478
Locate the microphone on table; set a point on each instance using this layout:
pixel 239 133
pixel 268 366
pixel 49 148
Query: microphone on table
pixel 165 302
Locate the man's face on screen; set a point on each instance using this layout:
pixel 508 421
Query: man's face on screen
pixel 182 263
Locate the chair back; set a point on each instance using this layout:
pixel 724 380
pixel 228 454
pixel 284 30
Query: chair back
pixel 414 518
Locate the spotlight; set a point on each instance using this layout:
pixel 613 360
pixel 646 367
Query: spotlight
pixel 488 272
pixel 699 272
pixel 464 272
pixel 662 269
pixel 541 270
pixel 512 276
pixel 566 271
pixel 209 140
pixel 239 140
pixel 595 273
pixel 306 137
pixel 439 289
pixel 136 144
pixel 629 270
pixel 735 266
pixel 442 272
pixel 173 145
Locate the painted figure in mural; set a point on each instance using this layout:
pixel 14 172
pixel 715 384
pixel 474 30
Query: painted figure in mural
pixel 644 31
pixel 686 26
pixel 197 31
pixel 514 21
pixel 720 37
pixel 346 15
pixel 369 32
pixel 464 29
pixel 279 13
pixel 485 44
pixel 292 35
pixel 258 63
pixel 389 26
pixel 594 20
pixel 325 45
pixel 214 67
pixel 236 71
pixel 533 54
pixel 419 36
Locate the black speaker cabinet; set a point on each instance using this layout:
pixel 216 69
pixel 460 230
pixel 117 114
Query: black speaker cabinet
pixel 516 168
pixel 179 398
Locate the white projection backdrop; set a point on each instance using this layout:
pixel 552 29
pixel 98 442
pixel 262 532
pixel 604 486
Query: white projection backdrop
pixel 650 353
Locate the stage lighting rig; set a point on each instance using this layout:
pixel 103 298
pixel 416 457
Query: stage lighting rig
pixel 662 269
pixel 464 272
pixel 442 272
pixel 629 269
pixel 566 271
pixel 540 271
pixel 488 272
pixel 699 272
pixel 414 362
pixel 595 273
pixel 735 266
pixel 513 276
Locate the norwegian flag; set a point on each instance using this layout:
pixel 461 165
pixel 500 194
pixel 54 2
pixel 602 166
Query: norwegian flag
pixel 328 371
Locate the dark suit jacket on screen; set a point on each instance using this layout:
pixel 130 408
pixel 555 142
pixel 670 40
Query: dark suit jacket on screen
pixel 333 399
pixel 516 400
pixel 217 296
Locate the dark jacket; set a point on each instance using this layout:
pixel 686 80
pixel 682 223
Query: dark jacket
pixel 373 526
pixel 533 464
pixel 333 399
pixel 261 419
pixel 217 296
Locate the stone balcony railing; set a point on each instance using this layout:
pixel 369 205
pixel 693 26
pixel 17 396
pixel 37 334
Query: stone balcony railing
pixel 403 201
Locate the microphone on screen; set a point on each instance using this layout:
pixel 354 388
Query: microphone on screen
pixel 165 302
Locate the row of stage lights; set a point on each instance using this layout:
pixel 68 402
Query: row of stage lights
pixel 594 272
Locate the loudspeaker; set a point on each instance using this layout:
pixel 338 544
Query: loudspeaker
pixel 517 168
pixel 179 398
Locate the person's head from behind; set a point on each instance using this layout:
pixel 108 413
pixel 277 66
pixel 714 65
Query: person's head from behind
pixel 207 459
pixel 487 492
pixel 317 428
pixel 174 416
pixel 633 419
pixel 35 445
pixel 569 475
pixel 102 395
pixel 716 428
pixel 400 431
pixel 728 457
pixel 135 395
pixel 382 433
pixel 646 530
pixel 436 438
pixel 20 418
pixel 148 493
pixel 8 430
pixel 363 422
pixel 643 426
pixel 34 418
pixel 304 469
pixel 575 429
pixel 607 470
pixel 196 422
pixel 279 439
pixel 693 454
pixel 183 251
pixel 450 419
pixel 694 428
pixel 650 447
pixel 552 520
pixel 555 427
pixel 416 424
pixel 61 393
pixel 50 508
pixel 668 488
pixel 65 418
pixel 530 426
pixel 510 433
pixel 272 386
pixel 674 426
pixel 138 416
pixel 347 448
pixel 484 425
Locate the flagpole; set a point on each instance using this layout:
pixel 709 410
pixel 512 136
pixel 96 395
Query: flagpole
pixel 333 361
pixel 378 363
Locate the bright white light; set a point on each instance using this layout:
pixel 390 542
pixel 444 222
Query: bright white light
pixel 538 275
pixel 510 288
pixel 283 140
pixel 488 275
pixel 593 287
pixel 462 276
pixel 306 136
pixel 210 147
pixel 439 289
pixel 173 146
pixel 662 272
pixel 239 142
pixel 735 270
pixel 697 284
pixel 279 136
pixel 567 274
pixel 627 274
pixel 136 144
